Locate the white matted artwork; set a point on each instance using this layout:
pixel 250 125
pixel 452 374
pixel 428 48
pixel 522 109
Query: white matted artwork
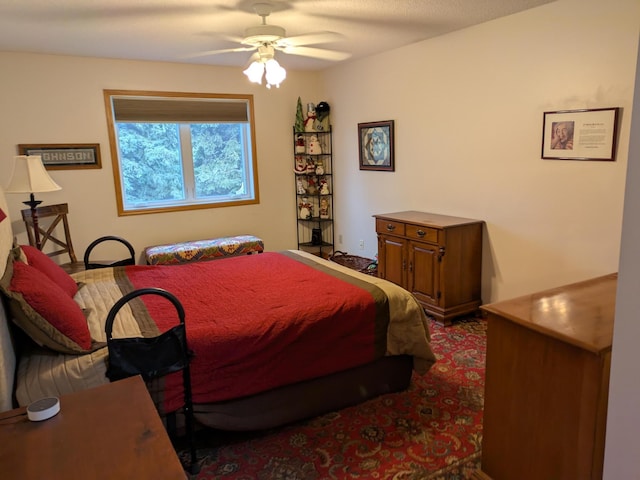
pixel 580 134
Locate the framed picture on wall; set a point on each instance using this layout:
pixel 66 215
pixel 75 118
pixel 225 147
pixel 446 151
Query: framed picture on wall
pixel 580 134
pixel 65 156
pixel 375 142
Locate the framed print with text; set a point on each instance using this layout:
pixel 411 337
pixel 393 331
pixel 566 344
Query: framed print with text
pixel 65 156
pixel 580 134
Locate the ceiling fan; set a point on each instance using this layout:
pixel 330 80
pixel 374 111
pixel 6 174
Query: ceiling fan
pixel 266 39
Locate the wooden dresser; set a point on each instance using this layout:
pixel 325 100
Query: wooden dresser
pixel 438 258
pixel 547 382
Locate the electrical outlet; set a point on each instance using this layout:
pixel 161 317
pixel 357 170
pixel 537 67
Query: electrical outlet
pixel 361 244
pixel 340 239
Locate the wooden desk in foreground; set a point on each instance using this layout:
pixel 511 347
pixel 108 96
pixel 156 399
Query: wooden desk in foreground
pixel 547 383
pixel 112 431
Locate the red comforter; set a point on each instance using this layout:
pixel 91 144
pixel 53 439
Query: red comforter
pixel 261 321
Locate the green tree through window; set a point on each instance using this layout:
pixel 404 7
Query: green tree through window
pixel 217 159
pixel 169 158
pixel 150 162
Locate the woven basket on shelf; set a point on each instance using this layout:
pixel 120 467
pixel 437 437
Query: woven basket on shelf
pixel 361 264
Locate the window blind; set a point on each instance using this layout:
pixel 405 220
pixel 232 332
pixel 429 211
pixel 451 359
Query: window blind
pixel 154 109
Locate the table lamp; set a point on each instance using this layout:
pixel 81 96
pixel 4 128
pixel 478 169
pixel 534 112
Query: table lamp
pixel 29 176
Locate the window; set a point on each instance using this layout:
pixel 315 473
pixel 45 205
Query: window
pixel 179 151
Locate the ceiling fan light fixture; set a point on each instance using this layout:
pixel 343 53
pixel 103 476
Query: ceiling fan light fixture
pixel 254 72
pixel 266 64
pixel 275 74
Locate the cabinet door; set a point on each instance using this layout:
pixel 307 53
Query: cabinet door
pixel 423 275
pixel 391 259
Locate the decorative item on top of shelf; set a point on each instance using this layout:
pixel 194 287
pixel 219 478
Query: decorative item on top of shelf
pixel 319 167
pixel 316 118
pixel 324 208
pixel 324 187
pixel 311 117
pixel 313 146
pixel 300 146
pixel 322 117
pixel 299 125
pixel 305 209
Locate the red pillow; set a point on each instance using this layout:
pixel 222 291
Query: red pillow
pixel 51 269
pixel 55 309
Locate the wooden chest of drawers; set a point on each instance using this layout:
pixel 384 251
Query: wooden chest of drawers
pixel 547 383
pixel 438 258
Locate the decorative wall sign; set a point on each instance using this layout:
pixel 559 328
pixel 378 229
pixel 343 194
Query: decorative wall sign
pixel 375 142
pixel 65 156
pixel 580 134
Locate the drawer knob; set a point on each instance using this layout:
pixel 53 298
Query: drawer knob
pixel 421 233
pixel 390 227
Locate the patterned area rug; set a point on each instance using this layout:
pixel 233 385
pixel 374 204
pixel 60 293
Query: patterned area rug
pixel 431 431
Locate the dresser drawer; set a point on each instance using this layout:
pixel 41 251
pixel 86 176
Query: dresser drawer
pixel 389 226
pixel 426 234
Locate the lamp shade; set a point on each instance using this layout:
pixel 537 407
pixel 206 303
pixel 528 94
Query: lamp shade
pixel 275 74
pixel 30 176
pixel 255 71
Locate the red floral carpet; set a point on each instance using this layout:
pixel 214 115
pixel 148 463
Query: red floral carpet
pixel 431 431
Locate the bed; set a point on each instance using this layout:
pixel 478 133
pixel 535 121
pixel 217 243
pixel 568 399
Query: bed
pixel 276 337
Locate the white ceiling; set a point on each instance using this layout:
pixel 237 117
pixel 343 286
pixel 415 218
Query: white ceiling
pixel 171 30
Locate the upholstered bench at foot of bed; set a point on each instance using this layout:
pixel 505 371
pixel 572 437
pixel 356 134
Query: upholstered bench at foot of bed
pixel 203 250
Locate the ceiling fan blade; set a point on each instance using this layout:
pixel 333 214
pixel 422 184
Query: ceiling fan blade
pixel 229 38
pixel 311 39
pixel 319 53
pixel 216 52
pixel 253 58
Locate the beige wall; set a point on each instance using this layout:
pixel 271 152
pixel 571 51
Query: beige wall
pixel 468 111
pixel 57 99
